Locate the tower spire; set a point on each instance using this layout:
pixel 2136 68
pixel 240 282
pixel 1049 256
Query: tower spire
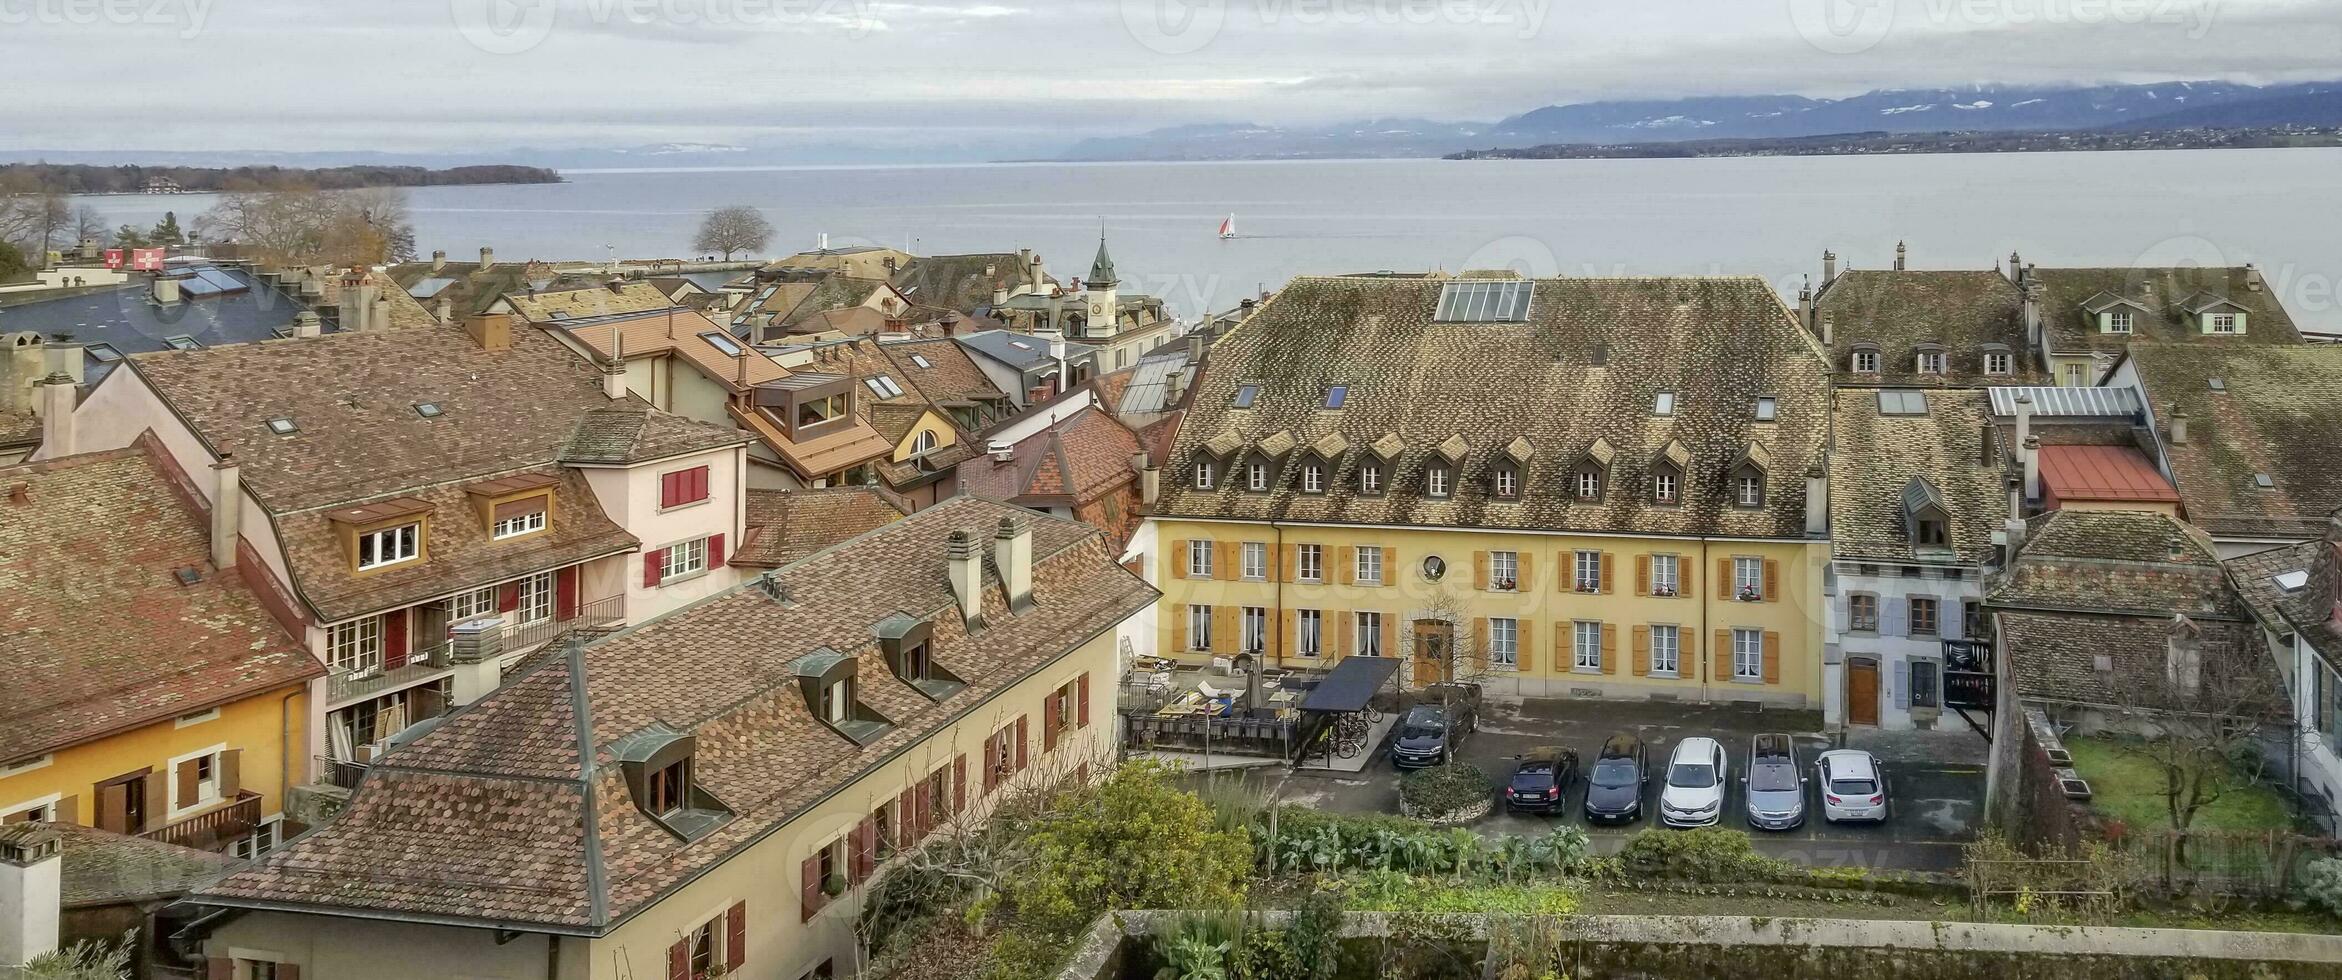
pixel 1102 268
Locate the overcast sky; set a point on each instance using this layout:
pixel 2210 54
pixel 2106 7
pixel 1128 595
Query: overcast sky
pixel 454 75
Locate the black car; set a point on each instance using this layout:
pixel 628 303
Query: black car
pixel 1424 736
pixel 1614 786
pixel 1541 780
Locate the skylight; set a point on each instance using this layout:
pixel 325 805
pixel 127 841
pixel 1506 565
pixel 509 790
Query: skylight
pixel 1337 395
pixel 1902 403
pixel 104 353
pixel 283 425
pixel 1484 301
pixel 2219 384
pixel 722 342
pixel 883 386
pixel 1020 345
pixel 2263 481
pixel 1663 403
pixel 1768 408
pixel 921 360
pixel 181 342
pixel 2292 581
pixel 429 410
pixel 1246 395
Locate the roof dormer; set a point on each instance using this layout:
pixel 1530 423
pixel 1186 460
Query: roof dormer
pixel 1589 475
pixel 1926 519
pixel 1745 479
pixel 2216 315
pixel 832 687
pixel 515 506
pixel 659 763
pixel 908 644
pixel 2115 314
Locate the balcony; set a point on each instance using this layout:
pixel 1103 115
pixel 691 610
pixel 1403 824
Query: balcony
pixel 344 684
pixel 339 772
pixel 214 829
pixel 595 615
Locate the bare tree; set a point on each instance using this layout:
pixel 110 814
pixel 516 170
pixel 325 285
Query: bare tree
pixel 2201 715
pixel 738 228
pixel 1453 657
pixel 303 224
pixel 88 225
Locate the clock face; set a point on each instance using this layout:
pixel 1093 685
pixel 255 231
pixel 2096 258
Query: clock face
pixel 1434 567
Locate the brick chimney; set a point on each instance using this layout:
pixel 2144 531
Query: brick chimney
pixel 1012 554
pixel 31 892
pixel 966 572
pixel 227 510
pixel 57 401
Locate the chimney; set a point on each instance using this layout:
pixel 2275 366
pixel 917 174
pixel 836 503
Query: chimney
pixel 999 292
pixel 1829 266
pixel 58 398
pixel 2033 293
pixel 1150 478
pixel 1829 328
pixel 60 355
pixel 438 261
pixel 617 285
pixel 492 331
pixel 476 649
pixel 443 311
pixel 2252 277
pixel 166 291
pixel 357 306
pixel 1817 502
pixel 1902 256
pixel 2032 467
pixel 2016 267
pixel 1002 450
pixel 2024 416
pixel 312 288
pixel 2147 293
pixel 1805 306
pixel 614 370
pixel 227 510
pixel 966 572
pixel 306 324
pixel 31 893
pixel 1012 554
pixel 487 258
pixel 377 312
pixel 2178 425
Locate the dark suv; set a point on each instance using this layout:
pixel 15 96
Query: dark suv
pixel 1541 780
pixel 1424 736
pixel 1614 786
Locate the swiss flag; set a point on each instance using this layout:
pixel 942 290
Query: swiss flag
pixel 113 258
pixel 146 259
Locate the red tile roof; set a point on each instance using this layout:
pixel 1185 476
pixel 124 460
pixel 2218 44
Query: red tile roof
pixel 2103 473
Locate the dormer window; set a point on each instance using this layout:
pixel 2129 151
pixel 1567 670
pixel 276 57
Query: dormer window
pixel 2220 323
pixel 1505 483
pixel 1313 477
pixel 1586 483
pixel 661 774
pixel 1931 531
pixel 1203 474
pixel 1256 475
pixel 1865 360
pixel 1748 489
pixel 668 788
pixel 1999 361
pixel 908 644
pixel 1930 360
pixel 2118 321
pixel 832 692
pixel 518 518
pixel 1370 480
pixel 837 701
pixel 1666 485
pixel 1436 477
pixel 390 545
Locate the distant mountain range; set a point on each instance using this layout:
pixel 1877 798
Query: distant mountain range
pixel 1983 108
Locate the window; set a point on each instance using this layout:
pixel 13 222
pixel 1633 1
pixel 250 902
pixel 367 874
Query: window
pixel 1256 630
pixel 1484 301
pixel 1256 476
pixel 1309 562
pixel 1504 643
pixel 1931 531
pixel 1998 362
pixel 815 411
pixel 1256 560
pixel 1768 408
pixel 1588 567
pixel 2223 323
pixel 922 361
pixel 256 970
pixel 1203 474
pixel 537 597
pixel 1435 479
pixel 1972 619
pixel 1923 615
pixel 195 780
pixel 1337 396
pixel 1666 650
pixel 181 342
pixel 1369 634
pixel 1664 487
pixel 2074 376
pixel 1666 575
pixel 1504 570
pixel 283 426
pixel 355 647
pixel 1589 484
pixel 1310 625
pixel 515 525
pixel 1931 362
pixel 837 700
pixel 1902 403
pixel 703 948
pixel 1748 655
pixel 666 789
pixel 1663 403
pixel 429 410
pixel 1508 482
pixel 1246 395
pixel 1370 479
pixel 103 353
pixel 1866 362
pixel 1923 674
pixel 1862 612
pixel 883 386
pixel 1748 490
pixel 1748 578
pixel 1199 559
pixel 2118 321
pixel 685 558
pixel 1370 565
pixel 389 546
pixel 1199 627
pixel 1586 645
pixel 683 487
pixel 923 443
pixel 1313 477
pixel 39 812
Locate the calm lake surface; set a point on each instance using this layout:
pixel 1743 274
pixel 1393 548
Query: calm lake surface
pixel 1769 217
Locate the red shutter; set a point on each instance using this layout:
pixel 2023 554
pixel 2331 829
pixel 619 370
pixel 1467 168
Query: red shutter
pixel 654 563
pixel 508 597
pixel 1021 741
pixel 679 960
pixel 907 818
pixel 394 640
pixel 864 845
pixel 670 489
pixel 1049 721
pixel 715 551
pixel 1082 714
pixel 992 750
pixel 565 594
pixel 959 783
pixel 735 937
pixel 809 889
pixel 288 971
pixel 699 483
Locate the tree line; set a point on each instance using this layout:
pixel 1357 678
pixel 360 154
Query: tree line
pixel 62 178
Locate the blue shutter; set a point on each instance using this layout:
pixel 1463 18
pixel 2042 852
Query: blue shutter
pixel 1894 617
pixel 1845 612
pixel 1900 683
pixel 1955 619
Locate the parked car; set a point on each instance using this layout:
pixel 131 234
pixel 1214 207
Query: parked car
pixel 1614 787
pixel 1694 794
pixel 1541 780
pixel 1425 735
pixel 1774 783
pixel 1853 786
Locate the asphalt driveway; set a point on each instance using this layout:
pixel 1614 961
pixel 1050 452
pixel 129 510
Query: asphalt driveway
pixel 1935 780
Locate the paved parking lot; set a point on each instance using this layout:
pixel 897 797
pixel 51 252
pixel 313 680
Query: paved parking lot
pixel 1935 780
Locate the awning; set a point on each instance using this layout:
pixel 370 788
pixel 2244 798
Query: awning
pixel 1350 684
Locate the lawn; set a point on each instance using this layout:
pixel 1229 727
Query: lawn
pixel 2129 788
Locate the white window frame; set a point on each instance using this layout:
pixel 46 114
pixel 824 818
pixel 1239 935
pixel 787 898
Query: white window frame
pixel 1866 362
pixel 1667 651
pixel 1508 483
pixel 405 538
pixel 1253 635
pixel 1256 477
pixel 1199 558
pixel 1504 567
pixel 1309 562
pixel 1435 481
pixel 540 596
pixel 1370 479
pixel 2223 323
pixel 1998 362
pixel 1666 575
pixel 1748 654
pixel 1369 626
pixel 1748 576
pixel 1309 632
pixel 1504 643
pixel 207 792
pixel 1749 491
pixel 1313 478
pixel 2119 321
pixel 517 525
pixel 1586 570
pixel 42 808
pixel 18 767
pixel 1589 484
pixel 359 646
pixel 471 605
pixel 1199 627
pixel 1369 564
pixel 1665 488
pixel 1931 362
pixel 1586 645
pixel 1256 561
pixel 1203 474
pixel 680 559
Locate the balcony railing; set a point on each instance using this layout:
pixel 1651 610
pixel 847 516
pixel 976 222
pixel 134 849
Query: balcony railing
pixel 590 615
pixel 343 684
pixel 214 829
pixel 339 772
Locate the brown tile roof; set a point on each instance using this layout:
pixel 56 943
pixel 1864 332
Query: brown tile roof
pixel 2311 611
pixel 787 525
pixel 1878 456
pixel 472 290
pixel 1964 312
pixel 2280 415
pixel 98 634
pixel 579 302
pixel 19 428
pixel 100 868
pixel 629 432
pixel 959 282
pixel 513 811
pixel 820 456
pixel 2071 328
pixel 680 333
pixel 950 378
pixel 1082 458
pixel 2054 656
pixel 857 321
pixel 1716 343
pixel 2116 562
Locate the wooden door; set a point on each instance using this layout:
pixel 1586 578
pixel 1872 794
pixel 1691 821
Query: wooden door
pixel 122 803
pixel 1862 691
pixel 1433 639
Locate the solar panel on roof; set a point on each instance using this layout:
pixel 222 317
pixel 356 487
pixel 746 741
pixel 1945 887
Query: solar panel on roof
pixel 430 287
pixel 192 286
pixel 722 342
pixel 220 278
pixel 1485 301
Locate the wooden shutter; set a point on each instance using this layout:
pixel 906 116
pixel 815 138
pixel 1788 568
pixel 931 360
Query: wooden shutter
pixel 1345 632
pixel 1523 570
pixel 187 784
pixel 1179 558
pixel 1642 641
pixel 993 748
pixel 113 813
pixel 809 895
pixel 1480 571
pixel 1227 560
pixel 1479 645
pixel 288 971
pixel 1609 569
pixel 735 936
pixel 715 551
pixel 231 773
pixel 862 849
pixel 959 783
pixel 654 563
pixel 1390 635
pixel 1345 565
pixel 1951 617
pixel 1049 721
pixel 1226 633
pixel 1082 700
pixel 1894 617
pixel 68 809
pixel 1720 666
pixel 1723 578
pixel 1288 563
pixel 1609 649
pixel 508 597
pixel 1899 684
pixel 1642 575
pixel 394 640
pixel 1772 580
pixel 565 594
pixel 1772 657
pixel 219 968
pixel 1021 742
pixel 1522 647
pixel 1390 566
pixel 907 818
pixel 1178 626
pixel 1563 660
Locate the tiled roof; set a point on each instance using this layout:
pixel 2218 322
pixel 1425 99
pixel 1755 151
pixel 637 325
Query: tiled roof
pixel 1080 459
pixel 98 634
pixel 833 292
pixel 2071 327
pixel 404 311
pixel 471 289
pixel 958 282
pixel 2280 415
pixel 1878 456
pixel 681 333
pixel 579 302
pixel 2116 562
pixel 2255 579
pixel 512 811
pixel 2055 656
pixel 1962 312
pixel 100 868
pixel 19 429
pixel 1416 385
pixel 949 378
pixel 786 525
pixel 629 432
pixel 2103 473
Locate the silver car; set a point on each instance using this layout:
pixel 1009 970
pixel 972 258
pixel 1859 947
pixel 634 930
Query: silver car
pixel 1773 783
pixel 1853 787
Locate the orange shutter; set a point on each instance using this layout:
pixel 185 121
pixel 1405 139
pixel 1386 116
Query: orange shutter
pixel 1720 666
pixel 1642 651
pixel 1225 626
pixel 1609 566
pixel 1564 659
pixel 1390 635
pixel 1723 578
pixel 1227 560
pixel 1345 632
pixel 1642 575
pixel 1390 565
pixel 1178 626
pixel 1289 633
pixel 1772 580
pixel 1345 565
pixel 1772 657
pixel 1178 556
pixel 1523 570
pixel 1049 721
pixel 1522 645
pixel 1609 649
pixel 1288 560
pixel 1480 571
pixel 1479 643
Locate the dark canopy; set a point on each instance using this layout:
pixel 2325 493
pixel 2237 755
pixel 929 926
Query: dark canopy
pixel 1348 686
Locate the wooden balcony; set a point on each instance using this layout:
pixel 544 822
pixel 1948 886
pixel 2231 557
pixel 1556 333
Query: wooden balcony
pixel 214 829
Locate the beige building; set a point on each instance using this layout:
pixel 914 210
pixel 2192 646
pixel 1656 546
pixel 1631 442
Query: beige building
pixel 712 792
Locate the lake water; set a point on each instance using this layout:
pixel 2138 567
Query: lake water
pixel 1759 216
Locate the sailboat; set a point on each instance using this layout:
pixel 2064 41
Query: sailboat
pixel 1228 228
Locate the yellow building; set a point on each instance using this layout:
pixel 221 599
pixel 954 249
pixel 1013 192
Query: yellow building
pixel 147 692
pixel 1551 487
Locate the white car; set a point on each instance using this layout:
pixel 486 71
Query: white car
pixel 1694 793
pixel 1853 788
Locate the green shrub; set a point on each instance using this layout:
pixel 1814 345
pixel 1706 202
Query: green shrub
pixel 1132 842
pixel 2321 884
pixel 1704 854
pixel 1316 841
pixel 1445 789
